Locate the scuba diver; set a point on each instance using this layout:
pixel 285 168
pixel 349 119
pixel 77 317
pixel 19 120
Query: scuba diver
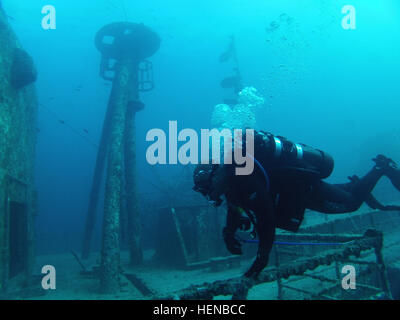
pixel 287 179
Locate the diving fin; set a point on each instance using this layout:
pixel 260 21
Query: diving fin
pixel 389 168
pixel 373 203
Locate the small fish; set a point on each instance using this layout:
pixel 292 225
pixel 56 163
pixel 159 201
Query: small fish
pixel 86 131
pixel 61 121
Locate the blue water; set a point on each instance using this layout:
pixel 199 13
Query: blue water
pixel 331 88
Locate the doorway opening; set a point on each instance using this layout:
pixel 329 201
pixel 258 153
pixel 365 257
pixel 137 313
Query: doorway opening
pixel 18 238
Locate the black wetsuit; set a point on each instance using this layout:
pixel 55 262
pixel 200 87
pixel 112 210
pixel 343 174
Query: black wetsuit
pixel 281 201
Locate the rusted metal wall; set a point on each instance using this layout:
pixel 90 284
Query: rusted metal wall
pixel 18 112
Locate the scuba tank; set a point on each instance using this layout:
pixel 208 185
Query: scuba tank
pixel 281 156
pixel 285 155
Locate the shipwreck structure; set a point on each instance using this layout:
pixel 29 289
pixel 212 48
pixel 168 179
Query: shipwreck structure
pixel 306 265
pixel 18 111
pixel 124 49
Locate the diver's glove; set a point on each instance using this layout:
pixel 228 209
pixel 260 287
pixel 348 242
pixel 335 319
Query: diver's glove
pixel 232 244
pixel 384 163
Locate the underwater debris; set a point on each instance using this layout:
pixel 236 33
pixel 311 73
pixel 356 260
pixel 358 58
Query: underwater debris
pixel 272 26
pixel 84 269
pixel 239 287
pixel 230 82
pixel 284 20
pixel 23 71
pixel 225 56
pixel 139 284
pixel 230 51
